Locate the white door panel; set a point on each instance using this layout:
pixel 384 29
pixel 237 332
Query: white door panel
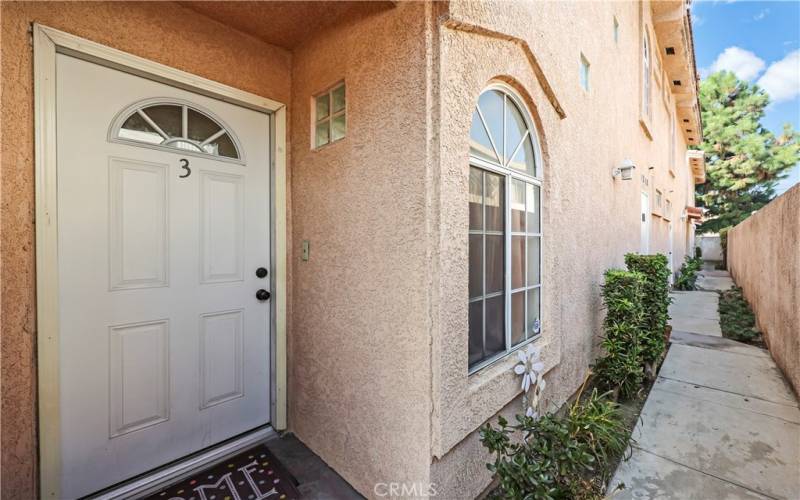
pixel 164 346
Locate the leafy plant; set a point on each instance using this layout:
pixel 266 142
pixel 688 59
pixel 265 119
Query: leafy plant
pixel 744 160
pixel 620 369
pixel 556 457
pixel 736 318
pixel 656 300
pixel 687 274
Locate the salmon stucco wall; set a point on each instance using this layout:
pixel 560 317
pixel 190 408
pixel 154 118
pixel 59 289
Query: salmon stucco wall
pixel 161 31
pixel 359 364
pixel 764 259
pixel 590 220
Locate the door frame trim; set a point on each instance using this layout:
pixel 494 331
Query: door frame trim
pixel 47 42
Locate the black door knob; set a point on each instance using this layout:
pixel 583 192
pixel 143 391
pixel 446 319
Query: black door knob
pixel 262 272
pixel 262 295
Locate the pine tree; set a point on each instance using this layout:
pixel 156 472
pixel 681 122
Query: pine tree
pixel 744 160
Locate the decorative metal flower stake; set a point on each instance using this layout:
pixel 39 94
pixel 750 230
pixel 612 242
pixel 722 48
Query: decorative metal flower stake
pixel 530 367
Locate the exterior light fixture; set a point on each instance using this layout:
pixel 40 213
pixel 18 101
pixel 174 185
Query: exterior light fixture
pixel 624 171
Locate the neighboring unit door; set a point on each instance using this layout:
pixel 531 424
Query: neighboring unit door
pixel 669 254
pixel 644 247
pixel 164 346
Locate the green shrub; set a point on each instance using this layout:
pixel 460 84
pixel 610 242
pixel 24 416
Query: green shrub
pixel 620 369
pixel 736 319
pixel 687 275
pixel 557 457
pixel 655 269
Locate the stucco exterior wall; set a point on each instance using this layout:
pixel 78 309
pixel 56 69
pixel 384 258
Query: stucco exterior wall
pixel 160 31
pixel 377 335
pixel 590 220
pixel 764 259
pixel 359 361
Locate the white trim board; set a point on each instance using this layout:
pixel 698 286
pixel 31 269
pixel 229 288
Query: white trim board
pixel 47 42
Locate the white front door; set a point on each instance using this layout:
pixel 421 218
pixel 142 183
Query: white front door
pixel 164 345
pixel 644 247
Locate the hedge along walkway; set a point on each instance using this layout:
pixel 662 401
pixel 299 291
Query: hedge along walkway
pixel 720 422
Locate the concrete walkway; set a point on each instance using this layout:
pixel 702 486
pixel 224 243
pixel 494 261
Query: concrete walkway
pixel 720 422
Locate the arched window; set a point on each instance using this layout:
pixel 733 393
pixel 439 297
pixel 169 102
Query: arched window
pixel 175 125
pixel 505 227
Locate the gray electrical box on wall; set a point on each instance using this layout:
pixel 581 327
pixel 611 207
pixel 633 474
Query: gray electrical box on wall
pixel 305 249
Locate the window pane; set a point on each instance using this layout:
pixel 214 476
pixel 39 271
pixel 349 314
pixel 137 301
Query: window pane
pixel 517 261
pixel 515 129
pixel 479 143
pixel 475 198
pixel 533 260
pixel 200 127
pixel 495 325
pixel 222 146
pixel 339 127
pixel 532 206
pixel 475 265
pixel 323 107
pixel 323 136
pixel 524 160
pixel 494 263
pixel 494 199
pixel 475 332
pixel 534 326
pixel 517 318
pixel 168 117
pixel 517 205
pixel 491 105
pixel 338 99
pixel 136 128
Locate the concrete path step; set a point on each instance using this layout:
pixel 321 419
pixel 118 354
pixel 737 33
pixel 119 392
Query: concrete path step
pixel 695 312
pixel 720 422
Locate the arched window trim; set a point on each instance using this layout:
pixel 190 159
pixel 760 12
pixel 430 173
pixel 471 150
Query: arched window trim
pixel 510 174
pixel 125 113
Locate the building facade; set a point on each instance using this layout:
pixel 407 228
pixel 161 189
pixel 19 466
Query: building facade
pixel 428 186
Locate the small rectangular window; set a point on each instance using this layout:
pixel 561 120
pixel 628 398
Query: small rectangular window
pixel 330 121
pixel 659 199
pixel 616 30
pixel 584 73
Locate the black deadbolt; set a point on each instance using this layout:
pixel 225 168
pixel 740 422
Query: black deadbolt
pixel 261 272
pixel 262 295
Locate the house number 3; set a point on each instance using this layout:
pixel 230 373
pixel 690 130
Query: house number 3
pixel 185 166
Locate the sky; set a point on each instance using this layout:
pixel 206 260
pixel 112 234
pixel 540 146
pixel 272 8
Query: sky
pixel 760 42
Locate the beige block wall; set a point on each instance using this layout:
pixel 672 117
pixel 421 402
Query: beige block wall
pixel 764 259
pixel 359 358
pixel 160 31
pixel 589 219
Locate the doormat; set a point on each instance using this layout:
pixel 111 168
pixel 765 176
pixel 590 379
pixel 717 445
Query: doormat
pixel 254 474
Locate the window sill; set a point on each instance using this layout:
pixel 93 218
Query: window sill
pixel 489 375
pixel 499 358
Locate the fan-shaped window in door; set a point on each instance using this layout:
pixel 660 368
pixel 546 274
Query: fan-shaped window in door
pixel 175 125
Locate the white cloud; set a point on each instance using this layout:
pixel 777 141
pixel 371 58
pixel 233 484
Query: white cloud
pixel 761 15
pixel 743 63
pixel 782 78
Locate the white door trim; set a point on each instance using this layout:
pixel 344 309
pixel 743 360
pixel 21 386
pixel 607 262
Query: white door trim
pixel 47 42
